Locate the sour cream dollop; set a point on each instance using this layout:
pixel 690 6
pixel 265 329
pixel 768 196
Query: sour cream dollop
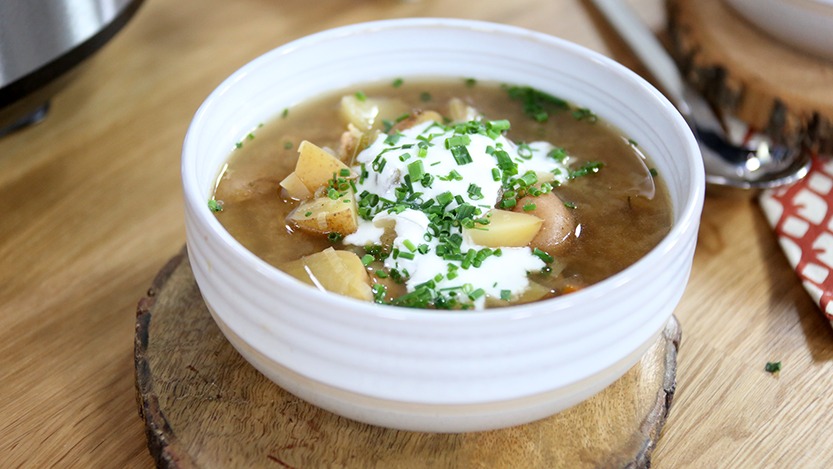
pixel 421 180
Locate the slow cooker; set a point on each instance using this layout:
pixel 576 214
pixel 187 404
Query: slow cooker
pixel 42 42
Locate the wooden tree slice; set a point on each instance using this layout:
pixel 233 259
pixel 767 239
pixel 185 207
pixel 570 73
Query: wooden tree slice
pixel 204 406
pixel 744 71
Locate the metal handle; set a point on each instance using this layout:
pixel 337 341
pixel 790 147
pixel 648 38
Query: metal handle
pixel 646 47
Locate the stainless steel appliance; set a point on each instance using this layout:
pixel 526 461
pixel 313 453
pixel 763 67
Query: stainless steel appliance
pixel 41 44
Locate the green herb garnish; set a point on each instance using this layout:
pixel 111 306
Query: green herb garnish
pixel 215 206
pixel 772 367
pixel 584 114
pixel 536 104
pixel 543 255
pixel 590 167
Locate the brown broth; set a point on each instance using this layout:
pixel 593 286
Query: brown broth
pixel 618 225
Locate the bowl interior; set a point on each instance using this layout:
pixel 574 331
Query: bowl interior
pixel 435 48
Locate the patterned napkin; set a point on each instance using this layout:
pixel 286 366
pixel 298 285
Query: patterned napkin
pixel 802 217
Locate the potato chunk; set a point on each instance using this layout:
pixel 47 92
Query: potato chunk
pixel 326 215
pixel 315 166
pixel 334 271
pixel 418 117
pixel 295 188
pixel 505 228
pixel 558 221
pixel 369 113
pixel 459 111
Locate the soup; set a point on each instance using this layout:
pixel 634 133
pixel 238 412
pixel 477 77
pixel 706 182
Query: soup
pixel 450 194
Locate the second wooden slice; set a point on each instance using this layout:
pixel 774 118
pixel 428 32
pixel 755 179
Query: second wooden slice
pixel 749 74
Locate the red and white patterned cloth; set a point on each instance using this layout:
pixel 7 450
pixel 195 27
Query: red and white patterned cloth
pixel 802 217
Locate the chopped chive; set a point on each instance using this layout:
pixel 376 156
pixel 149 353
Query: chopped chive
pixel 498 125
pixel 536 104
pixel 367 259
pixel 543 255
pixel 416 170
pixel 558 154
pixel 585 114
pixel 477 294
pixel 425 96
pixel 525 151
pixel 475 192
pixel 285 113
pixel 570 205
pixel 397 83
pixel 506 295
pixel 379 291
pixel 590 167
pixel 215 206
pixel 457 140
pixel 393 138
pixel 470 82
pixel 334 236
pixel 461 155
pixel 361 96
pixel 529 207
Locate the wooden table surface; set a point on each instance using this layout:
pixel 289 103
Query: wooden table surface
pixel 90 209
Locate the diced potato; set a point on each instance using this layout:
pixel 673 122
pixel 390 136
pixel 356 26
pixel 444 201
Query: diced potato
pixel 418 117
pixel 459 111
pixel 352 142
pixel 369 113
pixel 558 221
pixel 340 272
pixel 295 188
pixel 535 292
pixel 315 166
pixel 325 215
pixel 505 228
pixel 545 176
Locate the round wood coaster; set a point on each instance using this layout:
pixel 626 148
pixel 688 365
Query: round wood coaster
pixel 749 74
pixel 204 406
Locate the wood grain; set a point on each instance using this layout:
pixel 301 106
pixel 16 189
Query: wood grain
pixel 204 406
pixel 747 73
pixel 91 209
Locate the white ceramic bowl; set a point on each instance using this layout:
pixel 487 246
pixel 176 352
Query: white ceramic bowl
pixel 804 24
pixel 427 370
